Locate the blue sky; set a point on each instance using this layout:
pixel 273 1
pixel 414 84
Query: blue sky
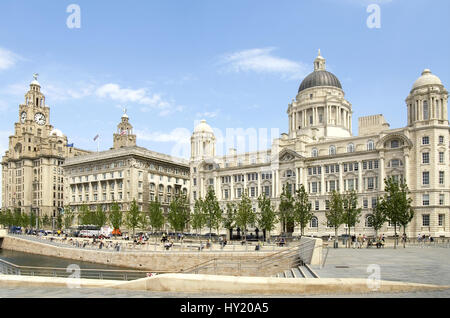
pixel 235 63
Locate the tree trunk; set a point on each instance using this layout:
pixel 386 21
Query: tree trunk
pixel 335 237
pixel 395 236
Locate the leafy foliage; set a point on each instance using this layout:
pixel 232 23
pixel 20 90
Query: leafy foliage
pixel 178 216
pixel 302 208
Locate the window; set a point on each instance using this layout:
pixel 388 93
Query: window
pixel 441 139
pixel 441 177
pixel 370 145
pixel 425 110
pixel 365 203
pixel 314 187
pixel 316 205
pixel 425 220
pixel 441 199
pixel 395 163
pixel 327 204
pixel 425 140
pixel 425 199
pixel 369 221
pixel 314 222
pixel 395 143
pixel 332 150
pixel 425 157
pixel 441 219
pixel 350 148
pixel 314 153
pixel 441 157
pixel 425 178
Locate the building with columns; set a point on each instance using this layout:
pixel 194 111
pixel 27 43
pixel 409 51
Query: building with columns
pixel 124 173
pixel 320 152
pixel 32 173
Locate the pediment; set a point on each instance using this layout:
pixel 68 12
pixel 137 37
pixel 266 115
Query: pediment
pixel 287 155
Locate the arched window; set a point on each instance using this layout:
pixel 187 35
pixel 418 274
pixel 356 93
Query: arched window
pixel 161 188
pixel 332 150
pixel 314 222
pixel 350 148
pixel 314 152
pixel 370 145
pixel 369 221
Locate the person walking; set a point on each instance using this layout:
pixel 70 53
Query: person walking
pixel 353 241
pixel 359 241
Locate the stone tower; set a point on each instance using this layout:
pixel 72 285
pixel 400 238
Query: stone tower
pixel 124 136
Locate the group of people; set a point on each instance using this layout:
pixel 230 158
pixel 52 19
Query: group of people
pixel 423 238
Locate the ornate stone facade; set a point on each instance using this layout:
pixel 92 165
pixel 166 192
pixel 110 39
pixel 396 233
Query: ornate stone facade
pixel 32 173
pixel 320 152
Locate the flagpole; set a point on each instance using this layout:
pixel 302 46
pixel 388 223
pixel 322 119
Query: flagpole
pixel 98 144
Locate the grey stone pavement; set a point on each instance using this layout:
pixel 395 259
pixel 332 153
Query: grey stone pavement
pixel 429 265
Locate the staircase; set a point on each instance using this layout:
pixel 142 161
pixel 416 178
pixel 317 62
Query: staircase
pixel 301 271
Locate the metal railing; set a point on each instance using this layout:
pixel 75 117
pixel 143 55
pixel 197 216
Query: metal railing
pixel 8 268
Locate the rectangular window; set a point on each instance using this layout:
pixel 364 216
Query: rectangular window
pixel 314 187
pixel 370 183
pixel 425 140
pixel 365 203
pixel 425 157
pixel 441 199
pixel 441 219
pixel 426 199
pixel 425 178
pixel 327 204
pixel 425 220
pixel 317 205
pixel 225 193
pixel 441 157
pixel 441 177
pixel 441 139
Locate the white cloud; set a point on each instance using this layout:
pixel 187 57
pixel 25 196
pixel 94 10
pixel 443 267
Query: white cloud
pixel 261 60
pixel 212 114
pixel 150 101
pixel 7 59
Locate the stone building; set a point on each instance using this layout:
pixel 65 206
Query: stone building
pixel 123 173
pixel 32 173
pixel 320 152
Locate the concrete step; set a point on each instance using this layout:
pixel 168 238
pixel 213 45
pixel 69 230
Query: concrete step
pixel 296 272
pixel 305 271
pixel 288 274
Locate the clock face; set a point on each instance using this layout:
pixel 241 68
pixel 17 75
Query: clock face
pixel 23 117
pixel 39 118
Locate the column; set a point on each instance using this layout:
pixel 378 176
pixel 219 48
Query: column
pixel 273 184
pixel 297 177
pixel 406 173
pixel 232 188
pixel 360 180
pixel 245 184
pixel 341 179
pixel 381 167
pixel 258 175
pixel 322 180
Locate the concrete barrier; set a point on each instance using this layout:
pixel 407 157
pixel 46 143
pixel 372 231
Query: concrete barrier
pixel 191 283
pixel 311 250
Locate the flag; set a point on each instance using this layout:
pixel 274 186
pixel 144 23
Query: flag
pixel 123 132
pixel 95 138
pixel 70 145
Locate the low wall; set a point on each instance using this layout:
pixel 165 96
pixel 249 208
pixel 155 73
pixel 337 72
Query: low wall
pixel 3 233
pixel 151 261
pixel 311 250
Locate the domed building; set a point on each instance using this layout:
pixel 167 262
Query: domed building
pixel 320 152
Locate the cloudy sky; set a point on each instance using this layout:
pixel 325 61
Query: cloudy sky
pixel 235 63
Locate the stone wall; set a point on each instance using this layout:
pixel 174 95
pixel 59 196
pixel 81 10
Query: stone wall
pixel 150 261
pixel 311 250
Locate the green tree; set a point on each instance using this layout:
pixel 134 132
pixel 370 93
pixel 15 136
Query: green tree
pixel 378 216
pixel 335 214
pixel 100 218
pixel 397 205
pixel 286 209
pixel 144 220
pixel 32 219
pixel 267 217
pixel 212 211
pixel 46 221
pixel 302 209
pixel 244 215
pixel 351 212
pixel 59 221
pixel 115 217
pixel 178 216
pixel 229 219
pixel 156 216
pixel 86 217
pixel 132 217
pixel 198 219
pixel 68 217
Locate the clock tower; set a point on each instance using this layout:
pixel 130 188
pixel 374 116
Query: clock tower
pixel 32 173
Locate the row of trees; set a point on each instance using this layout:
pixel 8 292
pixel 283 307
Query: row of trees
pixel 294 210
pixel 393 207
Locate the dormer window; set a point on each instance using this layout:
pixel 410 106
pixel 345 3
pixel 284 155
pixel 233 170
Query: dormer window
pixel 332 150
pixel 370 145
pixel 314 153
